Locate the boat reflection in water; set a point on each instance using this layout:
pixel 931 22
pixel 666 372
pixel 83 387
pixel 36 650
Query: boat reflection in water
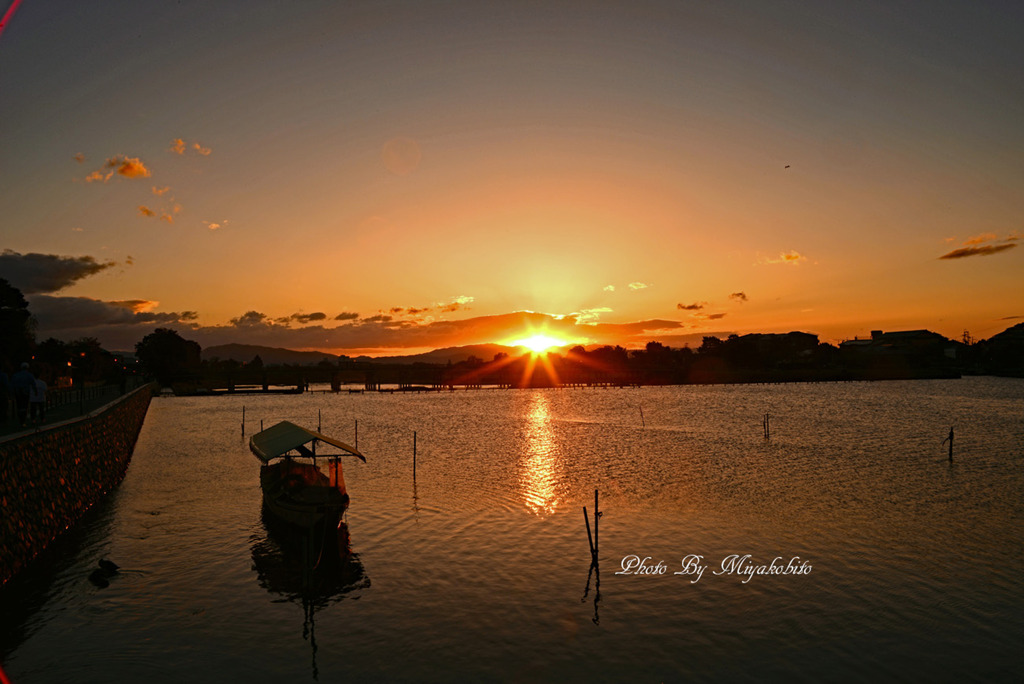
pixel 313 568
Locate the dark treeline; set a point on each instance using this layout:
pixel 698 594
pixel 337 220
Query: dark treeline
pixel 786 357
pixel 79 363
pixel 789 357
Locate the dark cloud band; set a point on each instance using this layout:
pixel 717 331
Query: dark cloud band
pixel 34 273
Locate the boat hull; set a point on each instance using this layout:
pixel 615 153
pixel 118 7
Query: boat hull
pixel 301 495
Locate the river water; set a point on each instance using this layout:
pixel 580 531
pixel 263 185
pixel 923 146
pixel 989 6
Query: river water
pixel 476 567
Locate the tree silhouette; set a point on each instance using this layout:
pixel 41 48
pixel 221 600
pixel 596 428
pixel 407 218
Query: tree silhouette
pixel 90 361
pixel 17 335
pixel 168 356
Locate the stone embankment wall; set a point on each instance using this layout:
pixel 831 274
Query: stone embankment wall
pixel 49 478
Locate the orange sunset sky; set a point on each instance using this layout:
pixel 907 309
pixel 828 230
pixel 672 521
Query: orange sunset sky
pixel 390 177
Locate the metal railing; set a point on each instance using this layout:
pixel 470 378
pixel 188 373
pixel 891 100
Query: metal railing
pixel 73 402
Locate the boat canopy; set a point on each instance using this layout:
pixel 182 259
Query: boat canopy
pixel 278 440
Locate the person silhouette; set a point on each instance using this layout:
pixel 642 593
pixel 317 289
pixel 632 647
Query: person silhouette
pixel 37 402
pixel 5 394
pixel 22 383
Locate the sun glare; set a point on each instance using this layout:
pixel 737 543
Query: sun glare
pixel 538 344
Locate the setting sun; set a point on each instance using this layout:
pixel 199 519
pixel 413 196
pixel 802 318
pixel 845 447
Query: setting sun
pixel 538 344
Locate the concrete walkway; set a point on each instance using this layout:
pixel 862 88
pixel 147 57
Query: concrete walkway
pixel 73 407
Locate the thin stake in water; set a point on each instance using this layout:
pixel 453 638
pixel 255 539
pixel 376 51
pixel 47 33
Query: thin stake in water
pixel 590 539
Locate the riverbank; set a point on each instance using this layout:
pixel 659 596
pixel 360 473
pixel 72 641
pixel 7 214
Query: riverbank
pixel 51 475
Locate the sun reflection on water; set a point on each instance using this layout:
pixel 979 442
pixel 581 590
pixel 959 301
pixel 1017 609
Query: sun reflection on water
pixel 538 472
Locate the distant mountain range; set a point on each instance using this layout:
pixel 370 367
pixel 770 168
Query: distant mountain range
pixel 244 353
pixel 485 352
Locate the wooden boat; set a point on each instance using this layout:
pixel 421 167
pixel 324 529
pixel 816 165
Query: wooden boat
pixel 295 490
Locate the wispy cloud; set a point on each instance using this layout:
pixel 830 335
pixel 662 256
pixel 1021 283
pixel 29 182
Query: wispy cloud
pixel 179 146
pixel 249 318
pixel 984 250
pixel 130 167
pixel 696 306
pixel 411 314
pixel 740 297
pixel 591 315
pixel 609 288
pixel 709 316
pixel 455 304
pixel 639 286
pixel 135 305
pixel 791 258
pixel 167 214
pixel 38 273
pixel 126 167
pixel 980 239
pixel 980 245
pixel 133 167
pixel 303 318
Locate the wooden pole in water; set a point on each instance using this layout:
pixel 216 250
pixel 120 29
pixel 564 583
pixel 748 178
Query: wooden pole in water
pixel 590 540
pixel 357 433
pixel 950 439
pixel 319 423
pixel 642 422
pixel 243 420
pixel 414 454
pixel 597 533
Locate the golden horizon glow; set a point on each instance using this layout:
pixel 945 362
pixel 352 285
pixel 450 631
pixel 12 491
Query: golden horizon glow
pixel 539 344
